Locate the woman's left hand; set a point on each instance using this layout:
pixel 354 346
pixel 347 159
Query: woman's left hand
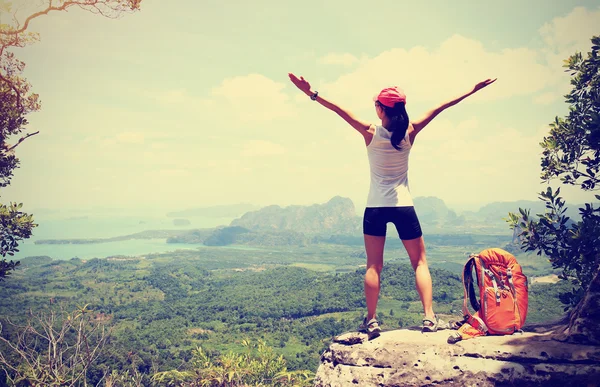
pixel 300 83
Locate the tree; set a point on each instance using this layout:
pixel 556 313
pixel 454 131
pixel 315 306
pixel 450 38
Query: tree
pixel 52 349
pixel 14 227
pixel 17 101
pixel 257 366
pixel 571 152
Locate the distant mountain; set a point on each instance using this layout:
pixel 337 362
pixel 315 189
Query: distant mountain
pixel 332 222
pixel 436 217
pixel 493 213
pixel 236 235
pixel 191 236
pixel 434 213
pixel 222 211
pixel 225 236
pixel 337 216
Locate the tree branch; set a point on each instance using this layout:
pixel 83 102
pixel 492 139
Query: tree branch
pixel 21 140
pixel 38 14
pixel 64 6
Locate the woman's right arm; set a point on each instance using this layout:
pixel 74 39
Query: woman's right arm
pixel 304 86
pixel 420 124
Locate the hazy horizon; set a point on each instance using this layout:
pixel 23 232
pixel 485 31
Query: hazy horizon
pixel 189 106
pixel 162 212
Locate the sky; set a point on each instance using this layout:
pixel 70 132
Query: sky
pixel 188 104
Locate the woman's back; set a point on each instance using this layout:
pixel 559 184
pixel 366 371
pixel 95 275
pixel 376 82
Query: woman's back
pixel 389 171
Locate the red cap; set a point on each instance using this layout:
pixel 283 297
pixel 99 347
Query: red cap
pixel 390 95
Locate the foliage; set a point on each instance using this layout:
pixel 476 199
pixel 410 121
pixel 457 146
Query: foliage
pixel 256 365
pixel 52 348
pixel 544 305
pixel 225 236
pixel 14 227
pixel 16 101
pixel 572 150
pixel 163 306
pixel 571 153
pixel 574 247
pixel 124 379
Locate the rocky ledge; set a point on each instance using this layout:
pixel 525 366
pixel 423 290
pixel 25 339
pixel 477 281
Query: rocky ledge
pixel 411 358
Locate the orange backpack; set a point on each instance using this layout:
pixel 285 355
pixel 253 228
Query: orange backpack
pixel 501 308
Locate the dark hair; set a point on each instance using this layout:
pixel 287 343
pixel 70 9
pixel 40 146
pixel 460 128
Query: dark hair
pixel 398 122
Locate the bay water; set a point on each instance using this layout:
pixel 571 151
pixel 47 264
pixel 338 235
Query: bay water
pixel 99 226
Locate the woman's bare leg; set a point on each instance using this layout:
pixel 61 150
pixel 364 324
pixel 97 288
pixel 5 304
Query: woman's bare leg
pixel 416 252
pixel 374 246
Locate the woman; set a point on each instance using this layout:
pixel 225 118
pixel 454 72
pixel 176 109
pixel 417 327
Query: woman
pixel 389 200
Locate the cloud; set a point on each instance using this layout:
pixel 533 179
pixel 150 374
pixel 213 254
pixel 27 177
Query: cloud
pixel 130 138
pixel 572 32
pixel 158 145
pixel 434 75
pixel 254 131
pixel 262 148
pixel 469 124
pixel 170 172
pixel 546 98
pixel 455 161
pixel 180 99
pixel 253 98
pixel 563 36
pixel 339 59
pixel 429 75
pixel 172 97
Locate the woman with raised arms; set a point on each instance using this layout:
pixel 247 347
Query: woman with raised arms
pixel 388 147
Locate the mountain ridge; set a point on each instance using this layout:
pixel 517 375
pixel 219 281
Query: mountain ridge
pixel 339 216
pixel 301 224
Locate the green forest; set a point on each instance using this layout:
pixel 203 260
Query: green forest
pixel 162 308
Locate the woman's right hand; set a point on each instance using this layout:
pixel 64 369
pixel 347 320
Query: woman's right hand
pixel 300 83
pixel 483 84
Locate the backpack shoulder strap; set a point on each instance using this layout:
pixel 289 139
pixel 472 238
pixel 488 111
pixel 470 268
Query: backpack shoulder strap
pixel 473 319
pixel 469 287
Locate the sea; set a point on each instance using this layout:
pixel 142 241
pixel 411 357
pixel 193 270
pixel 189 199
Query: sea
pixel 99 226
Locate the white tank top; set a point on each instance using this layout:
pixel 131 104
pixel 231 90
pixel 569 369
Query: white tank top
pixel 389 170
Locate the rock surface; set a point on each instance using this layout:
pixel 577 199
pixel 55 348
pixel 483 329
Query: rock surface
pixel 411 358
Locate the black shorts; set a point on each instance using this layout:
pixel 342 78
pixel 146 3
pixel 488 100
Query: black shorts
pixel 404 218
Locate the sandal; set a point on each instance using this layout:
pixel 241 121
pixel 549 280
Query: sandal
pixel 371 328
pixel 433 326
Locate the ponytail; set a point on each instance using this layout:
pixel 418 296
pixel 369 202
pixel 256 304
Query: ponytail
pixel 398 122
